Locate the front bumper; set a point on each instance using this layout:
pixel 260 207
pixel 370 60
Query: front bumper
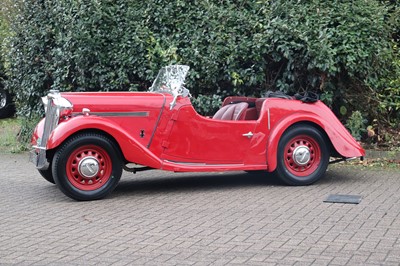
pixel 37 156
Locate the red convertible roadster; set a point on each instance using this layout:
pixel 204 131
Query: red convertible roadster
pixel 86 139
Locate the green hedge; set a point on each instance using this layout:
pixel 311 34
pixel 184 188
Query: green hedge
pixel 3 34
pixel 340 48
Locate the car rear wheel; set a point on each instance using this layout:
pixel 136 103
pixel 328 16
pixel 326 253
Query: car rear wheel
pixel 303 156
pixel 87 167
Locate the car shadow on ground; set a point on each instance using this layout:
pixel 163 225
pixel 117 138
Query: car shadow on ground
pixel 166 182
pixel 182 182
pixel 155 182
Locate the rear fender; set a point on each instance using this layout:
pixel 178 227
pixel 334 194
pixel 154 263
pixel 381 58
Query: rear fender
pixel 340 138
pixel 132 150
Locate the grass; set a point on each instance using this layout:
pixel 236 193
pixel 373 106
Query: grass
pixel 379 163
pixel 9 131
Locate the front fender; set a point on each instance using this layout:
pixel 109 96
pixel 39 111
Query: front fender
pixel 340 138
pixel 132 150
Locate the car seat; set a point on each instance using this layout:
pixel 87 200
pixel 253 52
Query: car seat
pixel 236 111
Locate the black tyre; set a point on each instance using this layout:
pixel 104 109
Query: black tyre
pixel 303 155
pixel 87 167
pixel 47 174
pixel 6 105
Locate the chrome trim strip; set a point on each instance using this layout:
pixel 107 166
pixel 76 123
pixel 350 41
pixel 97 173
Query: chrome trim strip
pixel 121 114
pixel 269 120
pixel 204 164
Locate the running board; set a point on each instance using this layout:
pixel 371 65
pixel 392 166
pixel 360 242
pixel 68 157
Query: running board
pixel 203 167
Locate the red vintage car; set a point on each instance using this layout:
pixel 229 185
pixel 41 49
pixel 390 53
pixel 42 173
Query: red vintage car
pixel 87 138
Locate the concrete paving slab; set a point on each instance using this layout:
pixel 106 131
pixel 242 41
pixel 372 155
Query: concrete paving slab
pixel 161 218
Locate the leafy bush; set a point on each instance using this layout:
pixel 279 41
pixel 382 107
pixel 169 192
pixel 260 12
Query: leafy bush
pixel 340 48
pixel 3 35
pixel 71 45
pixel 207 105
pixel 389 95
pixel 356 124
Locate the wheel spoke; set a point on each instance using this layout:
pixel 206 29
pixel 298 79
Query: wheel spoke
pixel 89 167
pixel 302 156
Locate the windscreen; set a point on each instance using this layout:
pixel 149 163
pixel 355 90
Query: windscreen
pixel 170 78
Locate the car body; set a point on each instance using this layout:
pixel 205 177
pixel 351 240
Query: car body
pixel 87 138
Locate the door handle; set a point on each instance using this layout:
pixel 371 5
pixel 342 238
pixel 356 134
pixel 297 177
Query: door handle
pixel 249 134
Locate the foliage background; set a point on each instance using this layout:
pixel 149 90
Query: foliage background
pixel 3 35
pixel 347 51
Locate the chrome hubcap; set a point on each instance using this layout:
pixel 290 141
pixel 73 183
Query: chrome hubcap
pixel 301 155
pixel 88 167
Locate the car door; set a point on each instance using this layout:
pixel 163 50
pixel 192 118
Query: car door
pixel 197 139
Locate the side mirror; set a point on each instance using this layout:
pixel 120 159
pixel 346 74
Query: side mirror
pixel 186 93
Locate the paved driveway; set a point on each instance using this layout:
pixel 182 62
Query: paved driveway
pixel 159 218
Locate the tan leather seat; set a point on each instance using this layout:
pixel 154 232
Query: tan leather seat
pixel 235 111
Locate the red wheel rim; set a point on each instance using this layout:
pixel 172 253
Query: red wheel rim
pixel 89 167
pixel 302 156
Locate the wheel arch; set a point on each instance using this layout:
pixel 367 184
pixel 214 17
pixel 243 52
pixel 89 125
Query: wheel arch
pixel 277 133
pixel 50 152
pixel 130 149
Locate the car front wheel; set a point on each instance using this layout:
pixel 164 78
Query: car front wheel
pixel 303 156
pixel 87 167
pixel 47 174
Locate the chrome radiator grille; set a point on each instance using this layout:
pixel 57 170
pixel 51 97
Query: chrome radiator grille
pixel 38 157
pixel 52 118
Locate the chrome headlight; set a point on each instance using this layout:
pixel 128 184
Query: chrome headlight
pixel 45 102
pixel 62 106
